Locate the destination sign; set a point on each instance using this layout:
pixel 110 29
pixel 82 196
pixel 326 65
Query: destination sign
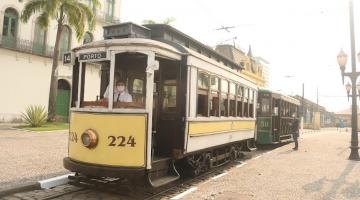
pixel 101 55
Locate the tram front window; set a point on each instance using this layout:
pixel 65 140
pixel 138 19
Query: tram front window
pixel 128 85
pixel 91 76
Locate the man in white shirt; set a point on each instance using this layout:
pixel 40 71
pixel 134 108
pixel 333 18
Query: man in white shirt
pixel 121 94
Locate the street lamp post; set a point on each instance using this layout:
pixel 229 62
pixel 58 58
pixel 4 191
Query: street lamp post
pixel 342 59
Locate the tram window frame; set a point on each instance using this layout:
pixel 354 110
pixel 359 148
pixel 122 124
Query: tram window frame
pixel 232 99
pixel 240 100
pixel 224 93
pixel 203 88
pixel 214 99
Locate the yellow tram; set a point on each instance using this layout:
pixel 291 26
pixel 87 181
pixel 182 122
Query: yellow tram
pixel 177 105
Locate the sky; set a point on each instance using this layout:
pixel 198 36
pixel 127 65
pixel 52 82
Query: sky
pixel 300 38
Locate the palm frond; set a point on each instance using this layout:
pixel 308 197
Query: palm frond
pixel 32 7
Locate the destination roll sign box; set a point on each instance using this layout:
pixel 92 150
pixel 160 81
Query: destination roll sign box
pixel 93 56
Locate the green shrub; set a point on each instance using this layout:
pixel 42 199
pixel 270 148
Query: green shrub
pixel 35 115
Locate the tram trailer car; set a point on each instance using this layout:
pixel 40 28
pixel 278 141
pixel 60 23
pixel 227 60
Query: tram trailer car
pixel 190 107
pixel 275 113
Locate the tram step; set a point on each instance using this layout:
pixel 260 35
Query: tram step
pixel 163 172
pixel 164 180
pixel 250 146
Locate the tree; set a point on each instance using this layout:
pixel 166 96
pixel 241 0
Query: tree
pixel 73 12
pixel 167 21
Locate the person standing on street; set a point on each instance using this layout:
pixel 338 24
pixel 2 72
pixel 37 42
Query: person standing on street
pixel 295 132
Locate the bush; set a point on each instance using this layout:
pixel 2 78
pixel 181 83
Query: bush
pixel 35 115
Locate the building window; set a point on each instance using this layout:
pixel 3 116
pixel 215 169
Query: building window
pixel 87 38
pixel 224 101
pixel 10 28
pixel 39 39
pixel 214 96
pixel 203 94
pixel 65 40
pixel 110 10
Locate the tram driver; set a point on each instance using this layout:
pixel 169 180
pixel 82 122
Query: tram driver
pixel 121 93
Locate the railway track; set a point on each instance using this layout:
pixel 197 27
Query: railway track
pixel 119 189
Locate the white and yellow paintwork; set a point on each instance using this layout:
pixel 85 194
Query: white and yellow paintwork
pixel 207 134
pixel 212 127
pixel 106 124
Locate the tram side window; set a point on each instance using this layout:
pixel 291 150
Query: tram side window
pixel 214 96
pixel 251 103
pixel 224 101
pixel 239 100
pixel 202 94
pixel 138 90
pixel 232 95
pixel 246 102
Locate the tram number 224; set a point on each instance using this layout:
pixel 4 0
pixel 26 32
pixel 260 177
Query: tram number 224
pixel 120 141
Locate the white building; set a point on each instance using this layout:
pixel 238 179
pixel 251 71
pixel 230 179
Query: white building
pixel 26 57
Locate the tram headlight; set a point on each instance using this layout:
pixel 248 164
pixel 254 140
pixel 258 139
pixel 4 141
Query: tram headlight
pixel 89 138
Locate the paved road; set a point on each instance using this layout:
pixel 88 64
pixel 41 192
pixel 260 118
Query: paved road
pixel 319 170
pixel 30 156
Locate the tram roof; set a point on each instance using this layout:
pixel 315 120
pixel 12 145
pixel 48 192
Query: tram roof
pixel 159 35
pixel 164 32
pixel 280 96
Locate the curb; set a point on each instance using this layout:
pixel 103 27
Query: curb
pixel 30 131
pixel 20 188
pixel 43 184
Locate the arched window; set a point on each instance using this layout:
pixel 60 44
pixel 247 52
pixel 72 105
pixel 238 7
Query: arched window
pixel 65 40
pixel 39 39
pixel 110 10
pixel 10 27
pixel 87 38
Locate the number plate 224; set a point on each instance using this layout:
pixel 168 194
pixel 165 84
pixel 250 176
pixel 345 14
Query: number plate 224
pixel 121 141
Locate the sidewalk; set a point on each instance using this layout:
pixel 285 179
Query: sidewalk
pixel 26 157
pixel 318 170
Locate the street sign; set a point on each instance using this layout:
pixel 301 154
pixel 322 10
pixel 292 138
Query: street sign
pixel 93 56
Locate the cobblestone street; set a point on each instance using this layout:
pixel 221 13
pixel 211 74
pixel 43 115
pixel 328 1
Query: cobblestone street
pixel 26 157
pixel 318 170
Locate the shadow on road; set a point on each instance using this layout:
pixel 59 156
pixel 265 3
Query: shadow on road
pixel 350 190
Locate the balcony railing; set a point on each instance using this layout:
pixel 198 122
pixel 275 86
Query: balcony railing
pixel 26 46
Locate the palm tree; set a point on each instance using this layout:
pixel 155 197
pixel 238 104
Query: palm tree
pixel 73 12
pixel 166 21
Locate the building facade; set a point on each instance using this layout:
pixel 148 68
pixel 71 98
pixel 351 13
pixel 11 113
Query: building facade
pixel 314 115
pixel 255 68
pixel 26 57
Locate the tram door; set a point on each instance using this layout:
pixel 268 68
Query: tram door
pixel 167 109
